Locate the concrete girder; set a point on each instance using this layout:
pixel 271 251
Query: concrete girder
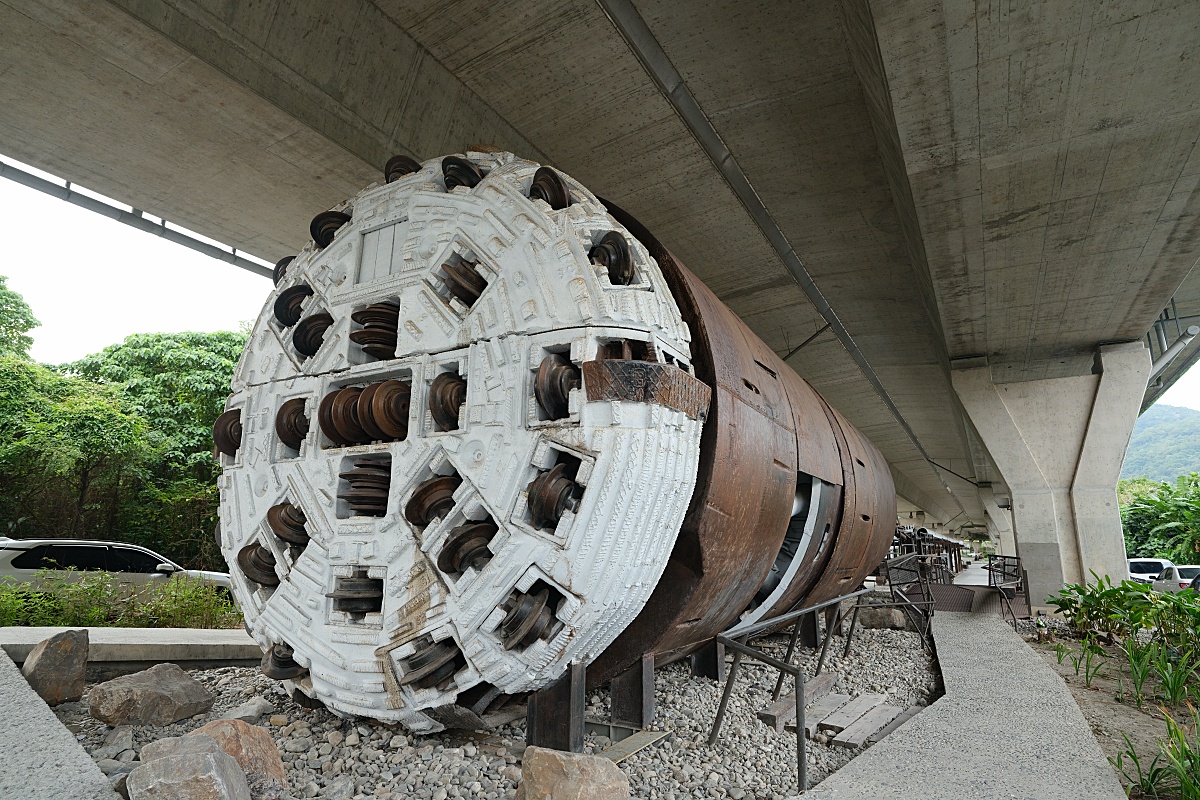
pixel 1059 444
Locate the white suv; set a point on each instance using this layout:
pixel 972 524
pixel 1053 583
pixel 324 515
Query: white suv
pixel 1145 570
pixel 22 559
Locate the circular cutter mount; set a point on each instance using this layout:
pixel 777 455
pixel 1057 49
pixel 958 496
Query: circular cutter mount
pixel 466 431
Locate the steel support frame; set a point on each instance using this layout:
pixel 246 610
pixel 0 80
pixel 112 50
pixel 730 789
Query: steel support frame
pixel 737 640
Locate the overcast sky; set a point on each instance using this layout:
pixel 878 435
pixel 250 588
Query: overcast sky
pixel 92 281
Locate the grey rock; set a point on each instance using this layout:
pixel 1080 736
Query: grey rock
pixel 120 737
pixel 250 711
pixel 298 745
pixel 190 776
pixel 109 765
pixel 55 667
pixel 340 789
pixel 179 746
pixel 119 781
pixel 158 696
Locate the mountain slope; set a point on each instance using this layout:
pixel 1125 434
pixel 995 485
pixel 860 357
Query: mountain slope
pixel 1165 444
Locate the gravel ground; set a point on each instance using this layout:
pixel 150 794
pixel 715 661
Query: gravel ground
pixel 342 759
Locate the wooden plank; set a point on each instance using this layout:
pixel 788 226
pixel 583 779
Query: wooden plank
pixel 777 713
pixel 845 716
pixel 818 711
pixel 904 717
pixel 631 744
pixel 856 734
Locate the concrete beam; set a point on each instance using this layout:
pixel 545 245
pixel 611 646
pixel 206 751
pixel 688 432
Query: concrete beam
pixel 1059 444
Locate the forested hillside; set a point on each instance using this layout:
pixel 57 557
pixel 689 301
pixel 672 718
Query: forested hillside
pixel 117 445
pixel 1165 444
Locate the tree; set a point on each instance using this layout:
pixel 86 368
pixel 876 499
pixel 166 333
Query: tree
pixel 63 444
pixel 16 320
pixel 178 383
pixel 1162 520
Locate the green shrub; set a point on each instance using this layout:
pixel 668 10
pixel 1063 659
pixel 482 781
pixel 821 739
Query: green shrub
pixel 98 599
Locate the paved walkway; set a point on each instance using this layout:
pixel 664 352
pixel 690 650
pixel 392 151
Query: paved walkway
pixel 41 759
pixel 1007 728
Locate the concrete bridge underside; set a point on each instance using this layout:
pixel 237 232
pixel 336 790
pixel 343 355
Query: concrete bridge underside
pixel 905 199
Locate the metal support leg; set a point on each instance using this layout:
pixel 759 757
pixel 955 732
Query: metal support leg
pixel 801 760
pixel 632 695
pixel 850 633
pixel 554 718
pixel 810 629
pixel 824 646
pixel 787 659
pixel 733 669
pixel 709 662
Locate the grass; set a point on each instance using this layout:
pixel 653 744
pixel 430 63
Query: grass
pixel 99 599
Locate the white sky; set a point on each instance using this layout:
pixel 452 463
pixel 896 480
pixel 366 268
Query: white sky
pixel 92 281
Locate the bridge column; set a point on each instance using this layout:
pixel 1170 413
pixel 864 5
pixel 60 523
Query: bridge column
pixel 1059 444
pixel 999 522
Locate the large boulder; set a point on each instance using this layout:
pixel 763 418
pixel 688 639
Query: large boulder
pixel 886 618
pixel 189 776
pixel 55 667
pixel 157 696
pixel 251 746
pixel 179 746
pixel 552 774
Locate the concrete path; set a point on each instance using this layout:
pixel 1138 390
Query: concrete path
pixel 41 758
pixel 142 644
pixel 1006 729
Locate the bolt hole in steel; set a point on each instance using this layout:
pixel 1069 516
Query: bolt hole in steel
pixel 460 172
pixel 530 616
pixel 432 665
pixel 377 338
pixel 556 377
pixel 357 595
pixel 310 332
pixel 227 432
pixel 467 547
pixel 278 664
pixel 398 166
pixel 258 564
pixel 376 413
pixel 291 423
pixel 367 492
pixel 324 227
pixel 612 253
pixel 432 499
pixel 550 187
pixel 281 268
pixel 288 523
pixel 463 281
pixel 447 394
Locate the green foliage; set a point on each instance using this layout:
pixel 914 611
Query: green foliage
pixel 1147 781
pixel 118 445
pixel 177 382
pixel 16 321
pixel 1162 520
pixel 1183 754
pixel 97 599
pixel 1165 444
pixel 1140 658
pixel 1173 620
pixel 1174 771
pixel 1175 671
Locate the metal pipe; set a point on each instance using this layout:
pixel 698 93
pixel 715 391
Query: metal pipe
pixel 1163 361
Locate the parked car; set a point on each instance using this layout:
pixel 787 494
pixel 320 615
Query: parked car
pixel 1196 584
pixel 1176 579
pixel 1145 570
pixel 22 559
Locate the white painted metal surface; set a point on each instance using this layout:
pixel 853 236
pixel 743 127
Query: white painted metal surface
pixel 637 461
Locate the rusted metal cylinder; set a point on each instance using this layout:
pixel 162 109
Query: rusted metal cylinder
pixel 765 427
pixel 494 430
